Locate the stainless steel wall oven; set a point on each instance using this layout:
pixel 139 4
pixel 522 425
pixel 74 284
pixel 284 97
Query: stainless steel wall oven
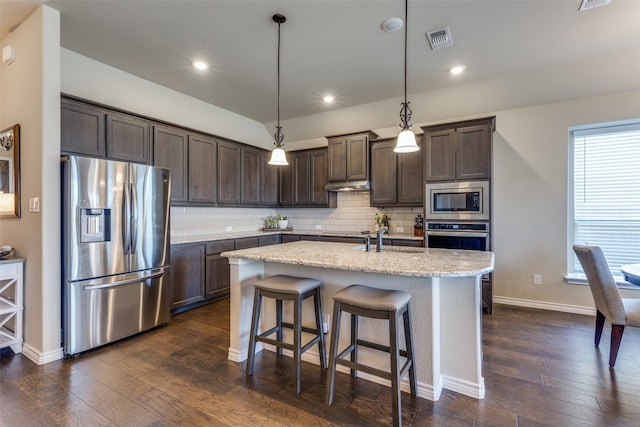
pixel 474 236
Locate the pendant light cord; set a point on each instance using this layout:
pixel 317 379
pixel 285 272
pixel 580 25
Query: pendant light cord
pixel 406 24
pixel 279 74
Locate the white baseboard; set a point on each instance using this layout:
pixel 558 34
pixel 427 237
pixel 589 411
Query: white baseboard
pixel 566 308
pixel 41 358
pixel 463 387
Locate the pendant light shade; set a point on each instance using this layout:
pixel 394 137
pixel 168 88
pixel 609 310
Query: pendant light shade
pixel 278 156
pixel 406 140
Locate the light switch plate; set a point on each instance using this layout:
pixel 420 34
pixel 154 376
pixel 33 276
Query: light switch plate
pixel 34 204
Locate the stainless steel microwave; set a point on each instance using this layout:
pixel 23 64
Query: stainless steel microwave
pixel 467 200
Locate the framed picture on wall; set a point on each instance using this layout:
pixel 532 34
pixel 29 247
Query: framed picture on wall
pixel 6 175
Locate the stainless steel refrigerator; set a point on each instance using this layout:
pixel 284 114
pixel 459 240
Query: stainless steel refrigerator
pixel 115 250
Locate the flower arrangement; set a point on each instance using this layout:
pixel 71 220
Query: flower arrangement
pixel 282 218
pixel 418 227
pixel 382 221
pixel 271 222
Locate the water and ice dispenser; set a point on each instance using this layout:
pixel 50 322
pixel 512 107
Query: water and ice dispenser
pixel 95 225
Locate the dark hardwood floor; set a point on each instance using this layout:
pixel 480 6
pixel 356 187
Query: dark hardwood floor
pixel 540 368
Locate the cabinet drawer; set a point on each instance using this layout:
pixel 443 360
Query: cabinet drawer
pixel 247 242
pixel 219 246
pixel 273 239
pixel 286 238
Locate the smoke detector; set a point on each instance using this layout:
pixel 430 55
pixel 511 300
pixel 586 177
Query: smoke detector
pixel 590 4
pixel 440 38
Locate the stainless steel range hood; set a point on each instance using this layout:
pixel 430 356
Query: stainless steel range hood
pixel 348 186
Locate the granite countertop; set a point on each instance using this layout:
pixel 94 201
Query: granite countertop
pixel 241 234
pixel 403 261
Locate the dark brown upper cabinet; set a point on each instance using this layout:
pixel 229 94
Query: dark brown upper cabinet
pixel 170 150
pixel 348 156
pixel 250 176
pixel 128 138
pixel 302 182
pixel 202 169
pixel 229 173
pixel 268 181
pixel 396 179
pixel 459 151
pixel 82 129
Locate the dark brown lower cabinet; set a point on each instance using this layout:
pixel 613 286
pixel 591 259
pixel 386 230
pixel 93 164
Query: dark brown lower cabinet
pixel 187 274
pixel 218 272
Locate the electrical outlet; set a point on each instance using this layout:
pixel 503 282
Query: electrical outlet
pixel 325 322
pixel 537 279
pixel 230 228
pixel 400 229
pixel 318 227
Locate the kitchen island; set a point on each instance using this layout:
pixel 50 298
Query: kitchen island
pixel 446 302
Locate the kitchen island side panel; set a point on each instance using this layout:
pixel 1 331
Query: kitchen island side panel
pixel 433 340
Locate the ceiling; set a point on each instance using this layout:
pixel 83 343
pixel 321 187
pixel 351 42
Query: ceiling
pixel 332 47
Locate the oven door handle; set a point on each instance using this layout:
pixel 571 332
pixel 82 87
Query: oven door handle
pixel 456 234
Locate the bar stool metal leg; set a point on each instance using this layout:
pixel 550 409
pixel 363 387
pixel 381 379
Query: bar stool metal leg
pixel 255 319
pixel 317 301
pixel 333 352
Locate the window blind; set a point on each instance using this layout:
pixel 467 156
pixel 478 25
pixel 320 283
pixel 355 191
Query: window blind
pixel 606 192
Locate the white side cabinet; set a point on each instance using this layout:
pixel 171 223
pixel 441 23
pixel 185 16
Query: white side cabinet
pixel 11 303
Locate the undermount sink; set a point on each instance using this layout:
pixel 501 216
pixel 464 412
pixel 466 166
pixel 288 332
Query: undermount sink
pixel 403 249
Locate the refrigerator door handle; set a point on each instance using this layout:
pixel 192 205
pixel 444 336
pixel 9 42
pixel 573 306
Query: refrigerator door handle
pixel 134 218
pixel 126 222
pixel 116 283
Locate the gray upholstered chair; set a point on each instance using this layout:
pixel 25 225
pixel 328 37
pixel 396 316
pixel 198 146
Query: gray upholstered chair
pixel 609 305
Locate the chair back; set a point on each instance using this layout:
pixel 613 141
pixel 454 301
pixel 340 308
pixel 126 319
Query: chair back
pixel 601 282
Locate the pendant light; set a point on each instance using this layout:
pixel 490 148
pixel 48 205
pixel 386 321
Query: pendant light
pixel 278 157
pixel 406 139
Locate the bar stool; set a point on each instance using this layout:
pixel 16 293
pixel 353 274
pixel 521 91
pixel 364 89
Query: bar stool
pixel 287 288
pixel 359 300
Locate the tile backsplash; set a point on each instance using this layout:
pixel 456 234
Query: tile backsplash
pixel 352 214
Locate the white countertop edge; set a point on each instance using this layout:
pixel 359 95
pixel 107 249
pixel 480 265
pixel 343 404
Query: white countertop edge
pixel 342 256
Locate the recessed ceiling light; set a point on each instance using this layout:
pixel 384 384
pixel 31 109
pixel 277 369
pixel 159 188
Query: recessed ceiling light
pixel 328 99
pixel 200 65
pixel 457 69
pixel 391 24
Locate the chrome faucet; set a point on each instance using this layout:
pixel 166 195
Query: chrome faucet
pixel 379 239
pixel 367 240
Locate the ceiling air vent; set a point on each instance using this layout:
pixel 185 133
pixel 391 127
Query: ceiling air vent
pixel 441 38
pixel 590 4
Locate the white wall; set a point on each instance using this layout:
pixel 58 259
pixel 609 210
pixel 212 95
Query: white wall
pixel 530 195
pixel 30 96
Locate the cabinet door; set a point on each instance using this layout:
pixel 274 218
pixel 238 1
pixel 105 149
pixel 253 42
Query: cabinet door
pixel 410 178
pixel 383 174
pixel 440 160
pixel 128 138
pixel 473 152
pixel 187 274
pixel 82 129
pixel 319 174
pixel 337 152
pixel 250 176
pixel 357 158
pixel 202 169
pixel 301 179
pixel 228 173
pixel 268 181
pixel 218 273
pixel 285 196
pixel 170 151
